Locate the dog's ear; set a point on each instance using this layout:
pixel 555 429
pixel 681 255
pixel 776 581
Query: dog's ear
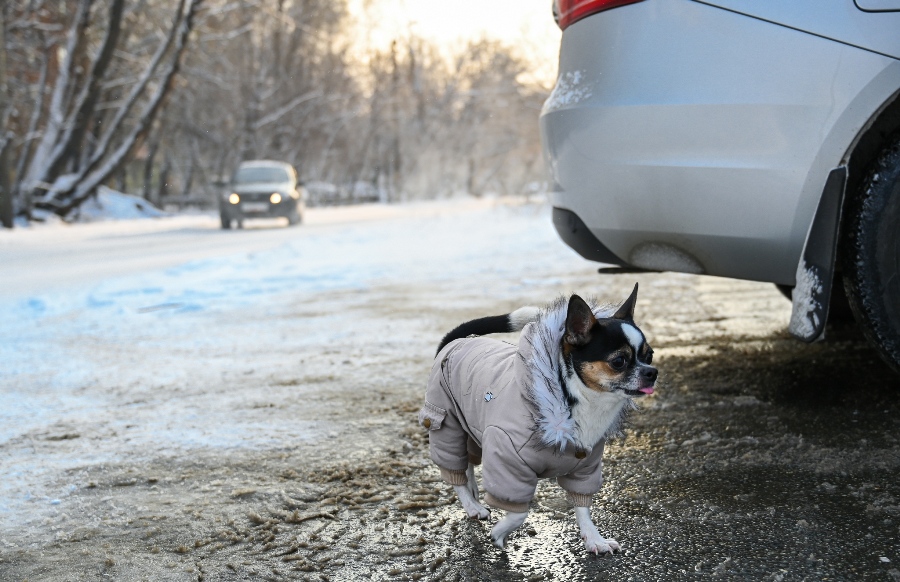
pixel 579 321
pixel 626 311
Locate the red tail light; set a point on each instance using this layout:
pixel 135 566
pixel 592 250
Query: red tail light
pixel 569 11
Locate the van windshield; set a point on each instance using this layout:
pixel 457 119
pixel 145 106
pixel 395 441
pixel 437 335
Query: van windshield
pixel 261 174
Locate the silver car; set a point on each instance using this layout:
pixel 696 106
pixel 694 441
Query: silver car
pixel 753 139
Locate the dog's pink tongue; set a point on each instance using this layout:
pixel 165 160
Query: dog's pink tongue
pixel 646 390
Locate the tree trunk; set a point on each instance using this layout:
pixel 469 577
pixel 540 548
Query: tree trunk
pixel 37 176
pixel 148 168
pixel 24 194
pixel 189 177
pixel 122 180
pixel 6 197
pixel 70 144
pixel 162 189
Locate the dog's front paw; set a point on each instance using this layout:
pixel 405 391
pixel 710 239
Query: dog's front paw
pixel 597 544
pixel 499 538
pixel 470 503
pixel 510 523
pixel 476 510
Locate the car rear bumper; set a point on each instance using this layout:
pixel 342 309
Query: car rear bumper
pixel 691 138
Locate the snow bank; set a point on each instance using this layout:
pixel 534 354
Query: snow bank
pixel 109 204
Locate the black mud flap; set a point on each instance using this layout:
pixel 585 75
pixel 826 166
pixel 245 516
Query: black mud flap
pixel 815 272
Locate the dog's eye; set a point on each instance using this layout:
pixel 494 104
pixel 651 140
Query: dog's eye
pixel 618 362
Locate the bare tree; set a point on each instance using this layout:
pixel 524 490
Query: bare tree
pixel 105 162
pixel 463 124
pixel 85 134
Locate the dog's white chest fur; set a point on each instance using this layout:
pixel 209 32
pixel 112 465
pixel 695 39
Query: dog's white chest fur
pixel 596 413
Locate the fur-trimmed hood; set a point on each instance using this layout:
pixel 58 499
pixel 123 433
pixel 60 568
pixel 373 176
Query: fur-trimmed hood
pixel 545 388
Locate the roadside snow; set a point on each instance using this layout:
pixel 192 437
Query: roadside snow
pixel 111 205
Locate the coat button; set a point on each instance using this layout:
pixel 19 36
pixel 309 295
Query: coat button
pixel 579 454
pixel 426 423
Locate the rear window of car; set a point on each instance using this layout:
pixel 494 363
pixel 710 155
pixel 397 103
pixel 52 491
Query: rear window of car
pixel 248 175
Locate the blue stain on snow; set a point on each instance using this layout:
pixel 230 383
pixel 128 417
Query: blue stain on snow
pixel 95 303
pixel 36 306
pixel 140 291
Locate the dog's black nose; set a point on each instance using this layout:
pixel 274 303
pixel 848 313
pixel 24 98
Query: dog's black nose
pixel 649 374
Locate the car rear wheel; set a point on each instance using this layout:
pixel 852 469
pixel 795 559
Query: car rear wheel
pixel 871 258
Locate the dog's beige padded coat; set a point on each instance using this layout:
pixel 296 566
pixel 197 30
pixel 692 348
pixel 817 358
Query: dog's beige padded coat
pixel 477 404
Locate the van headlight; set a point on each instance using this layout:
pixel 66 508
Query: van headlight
pixel 234 198
pixel 275 198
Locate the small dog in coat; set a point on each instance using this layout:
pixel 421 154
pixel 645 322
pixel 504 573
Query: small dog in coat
pixel 542 409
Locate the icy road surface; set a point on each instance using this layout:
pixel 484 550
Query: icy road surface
pixel 179 402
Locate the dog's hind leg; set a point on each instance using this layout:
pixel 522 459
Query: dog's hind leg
pixel 469 501
pixel 472 484
pixel 593 541
pixel 510 523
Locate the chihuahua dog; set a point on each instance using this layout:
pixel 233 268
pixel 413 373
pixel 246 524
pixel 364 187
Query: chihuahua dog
pixel 542 409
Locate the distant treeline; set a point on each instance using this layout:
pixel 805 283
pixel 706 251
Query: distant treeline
pixel 163 97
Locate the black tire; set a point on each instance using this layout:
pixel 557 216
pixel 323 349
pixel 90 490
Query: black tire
pixel 871 255
pixel 294 219
pixel 226 222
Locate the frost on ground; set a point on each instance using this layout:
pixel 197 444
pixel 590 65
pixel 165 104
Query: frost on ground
pixel 241 405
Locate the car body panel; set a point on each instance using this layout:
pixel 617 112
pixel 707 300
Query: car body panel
pixel 878 5
pixel 870 24
pixel 686 140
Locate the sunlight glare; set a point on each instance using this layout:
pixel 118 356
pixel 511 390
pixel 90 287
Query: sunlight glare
pixel 525 24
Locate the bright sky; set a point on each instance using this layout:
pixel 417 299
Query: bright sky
pixel 526 24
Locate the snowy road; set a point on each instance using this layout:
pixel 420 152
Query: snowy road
pixel 59 258
pixel 182 403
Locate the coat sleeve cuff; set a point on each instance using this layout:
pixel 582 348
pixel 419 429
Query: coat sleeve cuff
pixel 579 499
pixel 505 505
pixel 454 477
